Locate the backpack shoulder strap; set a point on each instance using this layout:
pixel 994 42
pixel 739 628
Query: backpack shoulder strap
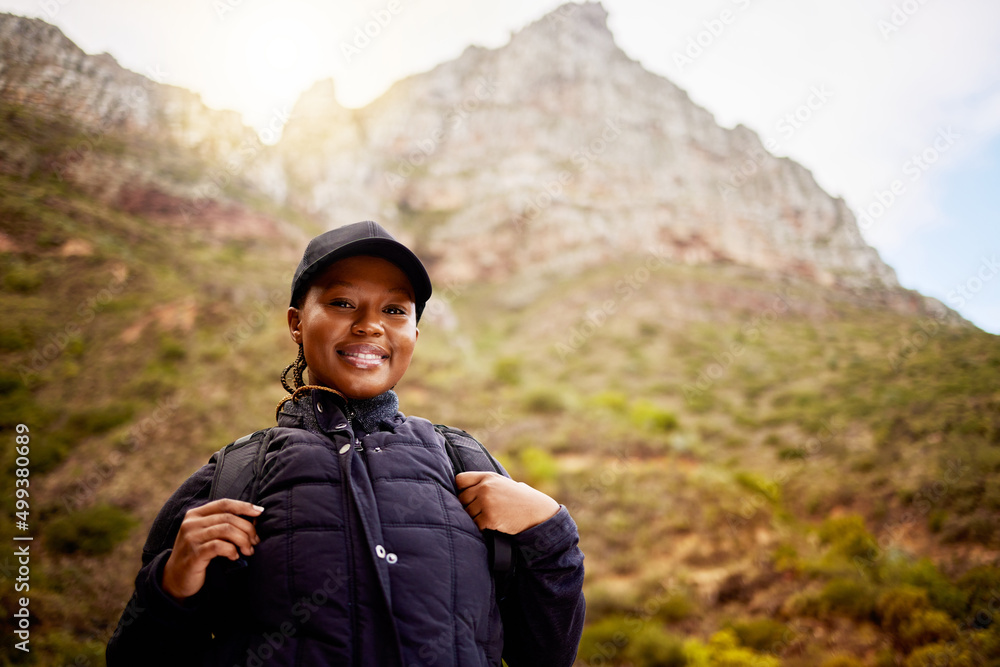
pixel 238 466
pixel 468 454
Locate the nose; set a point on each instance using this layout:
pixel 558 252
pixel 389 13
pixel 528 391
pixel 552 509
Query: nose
pixel 368 323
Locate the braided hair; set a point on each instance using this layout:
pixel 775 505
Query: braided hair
pixel 297 367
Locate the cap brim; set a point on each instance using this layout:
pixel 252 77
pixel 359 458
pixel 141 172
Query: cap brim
pixel 388 249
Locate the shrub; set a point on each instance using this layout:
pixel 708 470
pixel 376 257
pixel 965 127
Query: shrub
pixel 938 655
pixel 896 605
pixel 23 279
pixel 756 483
pixel 645 414
pixel 941 593
pixel 848 597
pixel 653 647
pixel 93 531
pixel 723 650
pixel 507 370
pixel 926 626
pixel 13 340
pixel 760 634
pixel 676 607
pixel 544 401
pixel 792 454
pixel 98 420
pixel 49 452
pixel 616 401
pixel 981 585
pixel 172 350
pixel 538 466
pixel 604 642
pixel 848 537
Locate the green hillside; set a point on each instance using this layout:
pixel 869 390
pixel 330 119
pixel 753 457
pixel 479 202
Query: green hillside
pixel 764 473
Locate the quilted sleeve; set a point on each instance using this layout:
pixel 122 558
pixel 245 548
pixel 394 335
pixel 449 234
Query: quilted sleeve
pixel 155 629
pixel 543 609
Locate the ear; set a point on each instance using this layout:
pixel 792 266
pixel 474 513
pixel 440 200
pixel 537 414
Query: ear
pixel 416 335
pixel 295 325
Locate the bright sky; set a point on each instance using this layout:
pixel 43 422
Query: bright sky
pixel 905 94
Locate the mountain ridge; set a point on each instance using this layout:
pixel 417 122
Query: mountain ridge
pixel 462 157
pixel 576 163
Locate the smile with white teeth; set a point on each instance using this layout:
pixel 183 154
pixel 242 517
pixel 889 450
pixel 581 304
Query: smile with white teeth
pixel 364 356
pixel 362 360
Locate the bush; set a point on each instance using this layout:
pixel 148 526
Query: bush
pixel 14 340
pixel 760 634
pixel 939 655
pixel 172 350
pixel 981 585
pixel 538 466
pixel 24 279
pixel 653 647
pixel 616 401
pixel 756 483
pixel 544 401
pixel 723 650
pixel 848 597
pixel 507 370
pixel 93 531
pixel 848 537
pixel 792 454
pixel 896 605
pixel 645 414
pixel 926 626
pixel 98 420
pixel 941 593
pixel 604 642
pixel 676 607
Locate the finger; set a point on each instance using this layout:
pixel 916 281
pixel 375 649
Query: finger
pixel 227 505
pixel 227 532
pixel 473 508
pixel 464 480
pixel 467 497
pixel 201 522
pixel 209 550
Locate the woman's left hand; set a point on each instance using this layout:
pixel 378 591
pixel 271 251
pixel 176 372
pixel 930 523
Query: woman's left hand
pixel 499 503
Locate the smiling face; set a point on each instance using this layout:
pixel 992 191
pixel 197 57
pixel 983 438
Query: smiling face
pixel 357 325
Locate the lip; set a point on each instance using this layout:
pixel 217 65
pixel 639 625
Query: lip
pixel 363 355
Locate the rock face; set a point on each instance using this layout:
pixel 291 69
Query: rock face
pixel 40 68
pixel 143 147
pixel 553 153
pixel 558 151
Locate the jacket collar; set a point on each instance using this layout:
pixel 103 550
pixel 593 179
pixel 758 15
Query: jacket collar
pixel 326 412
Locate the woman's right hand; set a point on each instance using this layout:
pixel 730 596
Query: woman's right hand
pixel 214 529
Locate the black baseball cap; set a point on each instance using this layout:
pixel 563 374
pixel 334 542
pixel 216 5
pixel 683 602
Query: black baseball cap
pixel 361 238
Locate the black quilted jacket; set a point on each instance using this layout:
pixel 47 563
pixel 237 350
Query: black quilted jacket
pixel 366 558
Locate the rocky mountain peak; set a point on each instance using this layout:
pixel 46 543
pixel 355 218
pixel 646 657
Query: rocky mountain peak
pixel 557 152
pixel 553 153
